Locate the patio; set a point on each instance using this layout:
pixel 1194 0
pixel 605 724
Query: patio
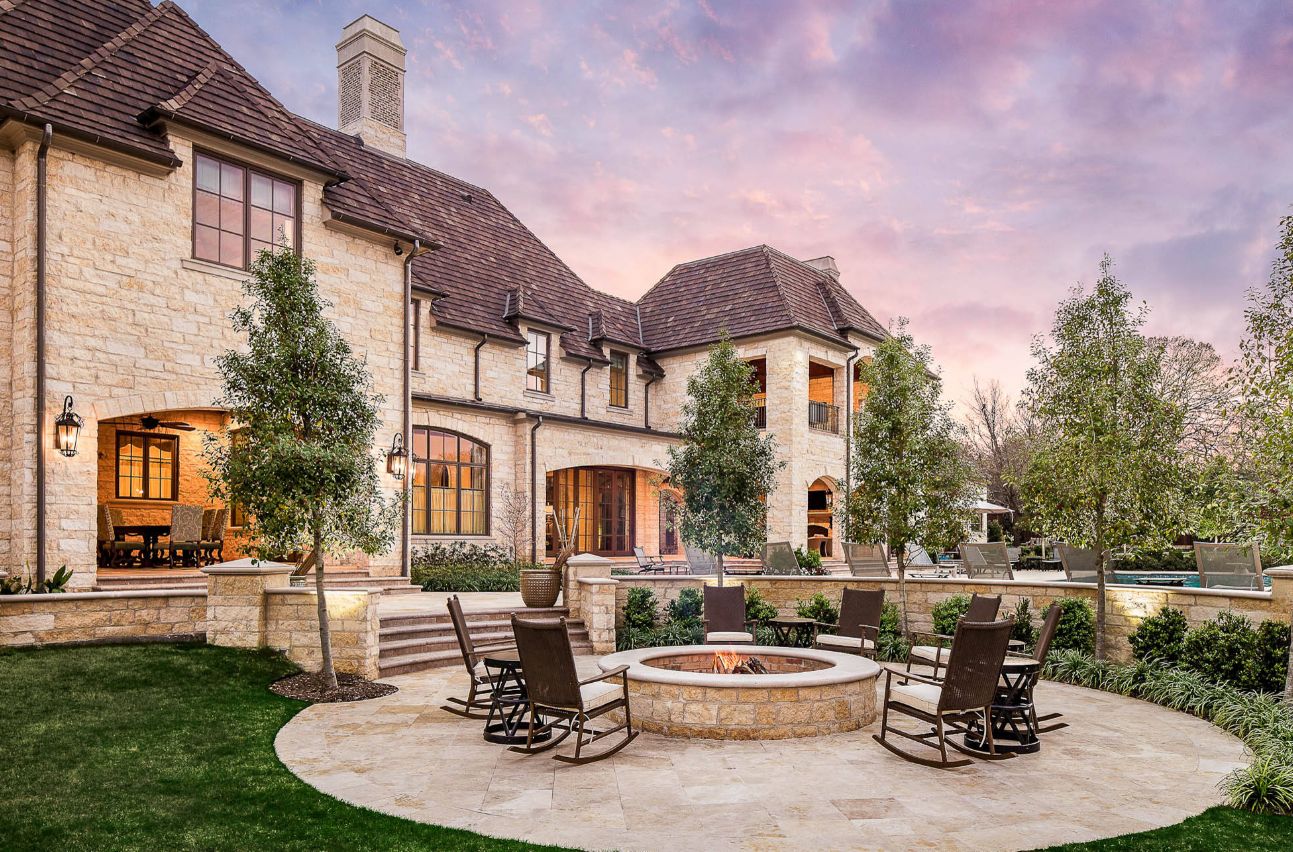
pixel 1123 765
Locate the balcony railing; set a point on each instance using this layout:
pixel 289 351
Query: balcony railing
pixel 761 413
pixel 824 417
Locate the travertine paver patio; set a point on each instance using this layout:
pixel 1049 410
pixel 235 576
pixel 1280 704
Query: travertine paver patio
pixel 1123 765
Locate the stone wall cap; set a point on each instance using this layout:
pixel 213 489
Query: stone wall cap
pixel 599 581
pixel 1279 571
pixel 588 559
pixel 845 668
pixel 125 594
pixel 310 590
pixel 252 567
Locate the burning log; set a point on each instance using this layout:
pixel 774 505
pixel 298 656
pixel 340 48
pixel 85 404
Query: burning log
pixel 729 663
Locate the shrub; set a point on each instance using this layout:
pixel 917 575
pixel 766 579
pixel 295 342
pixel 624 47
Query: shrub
pixel 688 606
pixel 1272 659
pixel 1224 650
pixel 810 561
pixel 818 608
pixel 949 611
pixel 1160 637
pixel 1024 630
pixel 1076 628
pixel 640 609
pixel 16 584
pixel 462 567
pixel 892 646
pixel 995 531
pixel 1172 559
pixel 758 608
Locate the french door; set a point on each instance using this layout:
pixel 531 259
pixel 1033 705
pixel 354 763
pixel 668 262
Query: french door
pixel 604 497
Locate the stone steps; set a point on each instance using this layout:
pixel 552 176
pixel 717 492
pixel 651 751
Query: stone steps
pixel 342 577
pixel 412 643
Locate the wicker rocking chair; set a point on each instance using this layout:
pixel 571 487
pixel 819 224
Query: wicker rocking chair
pixel 1039 653
pixel 477 703
pixel 982 608
pixel 724 617
pixel 556 694
pixel 859 624
pixel 950 704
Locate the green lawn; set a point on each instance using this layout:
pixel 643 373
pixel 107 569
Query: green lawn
pixel 172 747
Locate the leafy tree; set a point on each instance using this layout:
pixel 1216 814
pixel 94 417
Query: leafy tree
pixel 303 465
pixel 1266 401
pixel 724 467
pixel 1105 470
pixel 911 477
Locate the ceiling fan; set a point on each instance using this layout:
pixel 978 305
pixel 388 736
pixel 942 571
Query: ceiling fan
pixel 150 422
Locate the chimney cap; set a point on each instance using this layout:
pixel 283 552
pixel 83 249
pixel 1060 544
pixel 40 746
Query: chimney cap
pixel 370 26
pixel 826 264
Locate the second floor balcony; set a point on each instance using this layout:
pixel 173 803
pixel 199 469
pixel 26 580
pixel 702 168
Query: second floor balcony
pixel 823 417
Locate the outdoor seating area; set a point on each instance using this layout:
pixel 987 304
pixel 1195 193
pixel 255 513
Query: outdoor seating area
pixel 195 536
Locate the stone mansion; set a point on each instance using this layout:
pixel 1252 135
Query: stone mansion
pixel 141 166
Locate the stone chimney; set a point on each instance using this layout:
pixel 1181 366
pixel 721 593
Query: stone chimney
pixel 826 264
pixel 370 84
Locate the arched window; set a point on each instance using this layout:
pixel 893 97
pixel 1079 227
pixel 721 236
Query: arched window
pixel 450 484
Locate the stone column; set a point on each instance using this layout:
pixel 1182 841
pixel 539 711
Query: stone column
pixel 236 600
pixel 597 602
pixel 580 567
pixel 1281 587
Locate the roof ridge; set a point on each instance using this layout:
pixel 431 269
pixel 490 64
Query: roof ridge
pixel 59 84
pixel 776 279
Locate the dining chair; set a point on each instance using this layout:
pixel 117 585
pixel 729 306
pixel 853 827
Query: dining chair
pixel 186 533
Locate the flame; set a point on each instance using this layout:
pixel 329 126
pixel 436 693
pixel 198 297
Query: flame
pixel 725 662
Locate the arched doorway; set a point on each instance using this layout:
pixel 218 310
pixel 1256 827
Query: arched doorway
pixel 821 517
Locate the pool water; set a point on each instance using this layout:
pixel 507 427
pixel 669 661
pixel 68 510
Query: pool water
pixel 1191 579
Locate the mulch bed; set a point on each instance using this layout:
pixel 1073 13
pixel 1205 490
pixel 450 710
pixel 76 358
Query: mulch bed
pixel 308 686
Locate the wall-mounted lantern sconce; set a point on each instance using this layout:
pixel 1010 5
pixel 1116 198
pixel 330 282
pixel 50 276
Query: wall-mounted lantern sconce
pixel 67 429
pixel 397 459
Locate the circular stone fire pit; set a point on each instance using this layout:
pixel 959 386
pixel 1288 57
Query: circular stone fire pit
pixel 684 692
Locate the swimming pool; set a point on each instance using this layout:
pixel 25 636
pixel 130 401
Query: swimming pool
pixel 1191 578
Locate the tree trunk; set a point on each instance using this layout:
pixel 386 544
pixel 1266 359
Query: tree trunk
pixel 902 586
pixel 720 568
pixel 325 630
pixel 1101 568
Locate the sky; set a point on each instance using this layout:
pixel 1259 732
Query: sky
pixel 965 163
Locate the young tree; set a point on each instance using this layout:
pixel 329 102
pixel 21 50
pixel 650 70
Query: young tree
pixel 998 442
pixel 911 477
pixel 724 467
pixel 1105 470
pixel 513 518
pixel 1265 374
pixel 303 465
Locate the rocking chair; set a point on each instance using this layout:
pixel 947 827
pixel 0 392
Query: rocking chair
pixel 950 704
pixel 477 703
pixel 556 694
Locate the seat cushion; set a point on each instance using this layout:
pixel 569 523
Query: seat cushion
pixel 932 653
pixel 733 636
pixel 600 692
pixel 922 696
pixel 848 643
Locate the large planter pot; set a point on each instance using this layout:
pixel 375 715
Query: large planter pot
pixel 540 588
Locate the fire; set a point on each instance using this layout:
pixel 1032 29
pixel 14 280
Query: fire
pixel 726 662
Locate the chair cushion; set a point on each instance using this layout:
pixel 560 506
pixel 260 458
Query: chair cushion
pixel 922 696
pixel 931 653
pixel 600 692
pixel 852 643
pixel 734 636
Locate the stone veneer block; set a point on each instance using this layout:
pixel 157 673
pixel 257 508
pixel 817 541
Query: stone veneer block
pixel 89 617
pixel 236 600
pixel 292 626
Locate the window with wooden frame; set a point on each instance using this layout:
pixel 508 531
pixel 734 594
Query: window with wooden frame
pixel 450 484
pixel 620 379
pixel 537 370
pixel 415 335
pixel 239 210
pixel 148 466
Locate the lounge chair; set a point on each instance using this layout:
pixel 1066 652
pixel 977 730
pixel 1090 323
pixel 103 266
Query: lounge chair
pixel 700 563
pixel 987 561
pixel 647 564
pixel 983 608
pixel 779 558
pixel 1229 566
pixel 556 694
pixel 1014 554
pixel 1039 653
pixel 859 626
pixel 866 560
pixel 477 703
pixel 950 704
pixel 724 618
pixel 1080 564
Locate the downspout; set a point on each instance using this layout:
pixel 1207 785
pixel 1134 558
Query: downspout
pixel 484 338
pixel 534 488
pixel 42 176
pixel 646 403
pixel 406 425
pixel 583 396
pixel 848 438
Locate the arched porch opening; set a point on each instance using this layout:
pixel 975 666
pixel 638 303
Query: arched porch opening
pixel 821 516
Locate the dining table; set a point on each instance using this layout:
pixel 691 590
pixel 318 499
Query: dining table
pixel 150 533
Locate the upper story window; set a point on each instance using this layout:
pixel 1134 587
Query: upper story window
pixel 237 211
pixel 620 379
pixel 415 338
pixel 148 466
pixel 537 370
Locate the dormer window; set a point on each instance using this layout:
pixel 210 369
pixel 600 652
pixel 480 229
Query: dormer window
pixel 537 363
pixel 238 210
pixel 620 379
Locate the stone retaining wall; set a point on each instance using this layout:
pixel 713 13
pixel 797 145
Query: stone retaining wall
pixel 292 626
pixel 86 617
pixel 666 589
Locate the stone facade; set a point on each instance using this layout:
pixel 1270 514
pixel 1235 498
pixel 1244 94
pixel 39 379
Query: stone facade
pixel 85 617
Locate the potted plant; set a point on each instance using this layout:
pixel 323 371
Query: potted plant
pixel 541 584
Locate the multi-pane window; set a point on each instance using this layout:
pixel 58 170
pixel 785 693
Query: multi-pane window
pixel 147 466
pixel 620 379
pixel 415 335
pixel 237 211
pixel 450 484
pixel 536 361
